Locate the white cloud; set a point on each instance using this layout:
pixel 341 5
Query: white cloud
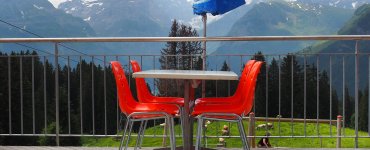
pixel 56 2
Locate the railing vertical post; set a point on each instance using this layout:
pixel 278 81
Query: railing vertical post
pixel 93 95
pixel 339 129
pixel 45 108
pixel 21 88
pixel 356 93
pixel 56 94
pixel 368 103
pixel 10 93
pixel 251 132
pixel 69 93
pixel 33 96
pixel 81 94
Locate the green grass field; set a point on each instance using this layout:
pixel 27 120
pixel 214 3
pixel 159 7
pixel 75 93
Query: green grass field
pixel 285 130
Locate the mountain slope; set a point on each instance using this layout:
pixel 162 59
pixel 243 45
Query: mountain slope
pixel 134 18
pixel 359 24
pixel 40 17
pixel 353 4
pixel 283 19
pixel 129 18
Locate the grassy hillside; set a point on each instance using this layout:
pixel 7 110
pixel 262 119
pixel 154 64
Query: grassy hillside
pixel 285 130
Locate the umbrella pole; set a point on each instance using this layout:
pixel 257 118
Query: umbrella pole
pixel 204 52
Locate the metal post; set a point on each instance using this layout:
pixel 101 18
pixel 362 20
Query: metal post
pixel 21 88
pixel 331 93
pixel 267 92
pixel 305 95
pixel 56 93
pixel 339 129
pixel 81 108
pixel 117 109
pixel 69 95
pixel 279 95
pixel 45 109
pixel 317 95
pixel 33 95
pixel 105 96
pixel 188 139
pixel 356 93
pixel 204 18
pixel 92 95
pixel 292 95
pixel 251 132
pixel 344 96
pixel 368 107
pixel 10 94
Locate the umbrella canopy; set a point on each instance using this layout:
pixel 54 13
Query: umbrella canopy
pixel 215 7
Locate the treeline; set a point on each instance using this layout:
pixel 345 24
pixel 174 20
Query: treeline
pixel 39 98
pixel 95 106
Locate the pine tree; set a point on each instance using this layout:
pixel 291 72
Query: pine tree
pixel 273 88
pixel 260 93
pixel 178 55
pixel 288 65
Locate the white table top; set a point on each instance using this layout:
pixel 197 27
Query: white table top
pixel 187 74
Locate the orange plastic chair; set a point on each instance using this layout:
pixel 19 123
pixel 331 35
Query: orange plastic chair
pixel 145 96
pixel 230 112
pixel 238 93
pixel 136 111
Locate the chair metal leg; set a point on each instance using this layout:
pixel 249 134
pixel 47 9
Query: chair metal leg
pixel 199 134
pixel 124 133
pixel 143 133
pixel 139 135
pixel 242 134
pixel 129 134
pixel 173 133
pixel 181 119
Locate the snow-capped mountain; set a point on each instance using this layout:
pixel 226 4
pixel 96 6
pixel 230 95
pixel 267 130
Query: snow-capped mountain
pixel 148 18
pixel 42 19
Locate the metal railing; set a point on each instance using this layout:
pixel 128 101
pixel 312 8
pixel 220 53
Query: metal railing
pixel 342 60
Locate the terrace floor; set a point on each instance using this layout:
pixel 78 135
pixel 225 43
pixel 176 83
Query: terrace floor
pixel 144 148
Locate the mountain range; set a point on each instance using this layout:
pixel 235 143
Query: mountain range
pixel 278 18
pixel 87 18
pixel 39 18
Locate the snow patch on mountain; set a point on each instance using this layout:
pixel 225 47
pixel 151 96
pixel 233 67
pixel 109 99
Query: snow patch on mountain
pixel 87 19
pixel 38 7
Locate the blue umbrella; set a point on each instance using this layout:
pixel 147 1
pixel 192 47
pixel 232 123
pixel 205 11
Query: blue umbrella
pixel 215 7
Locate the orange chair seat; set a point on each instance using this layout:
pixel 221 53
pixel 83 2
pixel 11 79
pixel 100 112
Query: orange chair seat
pixel 168 100
pixel 214 100
pixel 225 108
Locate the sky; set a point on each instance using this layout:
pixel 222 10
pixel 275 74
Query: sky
pixel 56 2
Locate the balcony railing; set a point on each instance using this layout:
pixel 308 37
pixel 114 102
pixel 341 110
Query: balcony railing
pixel 83 104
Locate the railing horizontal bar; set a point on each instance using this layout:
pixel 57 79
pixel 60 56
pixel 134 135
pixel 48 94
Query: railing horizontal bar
pixel 184 39
pixel 295 120
pixel 160 136
pixel 212 55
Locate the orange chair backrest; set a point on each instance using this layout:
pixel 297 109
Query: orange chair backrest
pixel 143 93
pixel 240 89
pixel 251 81
pixel 126 102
